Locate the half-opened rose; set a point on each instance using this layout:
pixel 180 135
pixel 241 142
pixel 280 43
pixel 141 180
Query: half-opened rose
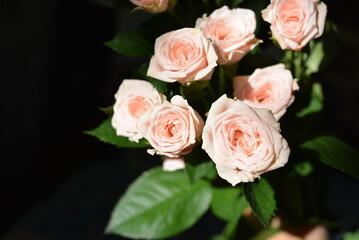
pixel 172 128
pixel 153 6
pixel 232 32
pixel 184 55
pixel 133 98
pixel 295 22
pixel 243 142
pixel 271 88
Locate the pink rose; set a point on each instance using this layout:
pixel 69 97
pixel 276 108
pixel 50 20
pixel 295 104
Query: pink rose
pixel 232 32
pixel 153 6
pixel 173 164
pixel 243 142
pixel 295 22
pixel 184 55
pixel 271 88
pixel 133 98
pixel 317 232
pixel 172 128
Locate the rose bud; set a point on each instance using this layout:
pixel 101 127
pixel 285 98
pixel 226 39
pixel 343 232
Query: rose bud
pixel 173 164
pixel 152 6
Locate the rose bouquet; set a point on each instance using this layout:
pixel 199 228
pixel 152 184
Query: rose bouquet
pixel 233 112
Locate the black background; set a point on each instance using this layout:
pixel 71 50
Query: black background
pixel 55 72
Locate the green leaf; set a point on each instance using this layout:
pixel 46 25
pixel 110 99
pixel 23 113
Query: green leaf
pixel 335 153
pixel 107 110
pixel 351 235
pixel 160 204
pixel 260 197
pixel 316 101
pixel 106 133
pixel 265 234
pixel 224 202
pixel 131 43
pixel 315 58
pixel 229 231
pixel 202 170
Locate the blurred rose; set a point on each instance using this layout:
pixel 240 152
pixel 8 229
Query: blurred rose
pixel 244 142
pixel 173 164
pixel 133 98
pixel 317 232
pixel 153 6
pixel 172 128
pixel 295 22
pixel 184 55
pixel 232 32
pixel 271 88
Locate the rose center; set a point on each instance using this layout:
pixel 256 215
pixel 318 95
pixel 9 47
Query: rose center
pixel 244 141
pixel 221 30
pixel 263 95
pixel 291 15
pixel 173 128
pixel 181 54
pixel 138 106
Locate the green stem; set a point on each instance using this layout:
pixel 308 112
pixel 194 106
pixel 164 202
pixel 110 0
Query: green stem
pixel 298 65
pixel 231 70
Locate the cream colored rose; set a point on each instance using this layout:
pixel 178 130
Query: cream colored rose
pixel 172 128
pixel 153 6
pixel 232 32
pixel 295 22
pixel 133 98
pixel 184 55
pixel 271 88
pixel 243 142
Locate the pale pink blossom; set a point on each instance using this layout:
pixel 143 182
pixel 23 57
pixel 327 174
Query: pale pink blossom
pixel 172 128
pixel 153 6
pixel 133 98
pixel 232 32
pixel 243 142
pixel 295 22
pixel 271 88
pixel 184 55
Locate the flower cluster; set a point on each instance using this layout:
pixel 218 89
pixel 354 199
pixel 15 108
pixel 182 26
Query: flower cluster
pixel 241 135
